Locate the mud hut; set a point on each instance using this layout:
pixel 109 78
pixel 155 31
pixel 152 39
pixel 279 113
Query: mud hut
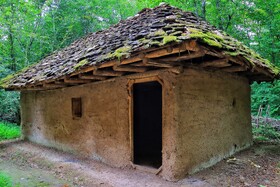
pixel 162 91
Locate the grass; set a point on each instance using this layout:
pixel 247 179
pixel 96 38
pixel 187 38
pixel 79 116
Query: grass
pixel 5 180
pixel 9 131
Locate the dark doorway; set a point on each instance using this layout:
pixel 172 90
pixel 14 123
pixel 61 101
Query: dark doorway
pixel 147 124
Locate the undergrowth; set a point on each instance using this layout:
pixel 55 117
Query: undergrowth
pixel 5 180
pixel 266 133
pixel 9 131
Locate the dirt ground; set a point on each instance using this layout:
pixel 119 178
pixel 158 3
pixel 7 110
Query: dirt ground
pixel 31 165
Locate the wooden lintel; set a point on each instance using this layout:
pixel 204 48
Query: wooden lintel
pixel 234 69
pixel 91 77
pixel 108 73
pixel 129 68
pixel 76 81
pixel 184 57
pixel 216 63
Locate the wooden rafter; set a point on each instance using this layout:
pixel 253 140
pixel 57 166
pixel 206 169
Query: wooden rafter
pixel 156 63
pixel 91 77
pixel 236 61
pixel 186 46
pixel 53 85
pixel 76 81
pixel 184 57
pixel 212 52
pixel 107 73
pixel 216 63
pixel 129 68
pixel 190 45
pixel 260 70
pixel 234 69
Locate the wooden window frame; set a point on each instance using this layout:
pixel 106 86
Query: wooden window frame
pixel 77 107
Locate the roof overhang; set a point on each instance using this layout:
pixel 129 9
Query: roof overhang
pixel 173 57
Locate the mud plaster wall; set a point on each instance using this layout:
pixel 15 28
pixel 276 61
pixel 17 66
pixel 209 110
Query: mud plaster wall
pixel 102 133
pixel 213 116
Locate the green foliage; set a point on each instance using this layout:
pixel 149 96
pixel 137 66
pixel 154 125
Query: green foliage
pixel 5 180
pixel 9 131
pixel 266 95
pixel 9 107
pixel 266 133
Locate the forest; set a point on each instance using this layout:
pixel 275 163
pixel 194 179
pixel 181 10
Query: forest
pixel 32 29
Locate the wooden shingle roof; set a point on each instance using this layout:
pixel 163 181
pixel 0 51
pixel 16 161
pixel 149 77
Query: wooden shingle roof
pixel 159 38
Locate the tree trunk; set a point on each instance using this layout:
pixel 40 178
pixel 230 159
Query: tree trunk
pixel 203 8
pixel 12 49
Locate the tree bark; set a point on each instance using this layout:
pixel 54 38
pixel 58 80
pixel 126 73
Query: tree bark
pixel 203 8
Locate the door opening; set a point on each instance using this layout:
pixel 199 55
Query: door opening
pixel 147 124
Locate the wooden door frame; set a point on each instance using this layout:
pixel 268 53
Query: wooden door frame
pixel 131 82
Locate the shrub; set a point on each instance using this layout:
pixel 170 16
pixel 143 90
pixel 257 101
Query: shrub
pixel 5 180
pixel 9 106
pixel 265 133
pixel 9 131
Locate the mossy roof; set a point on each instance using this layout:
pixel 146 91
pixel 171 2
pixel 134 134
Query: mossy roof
pixel 150 28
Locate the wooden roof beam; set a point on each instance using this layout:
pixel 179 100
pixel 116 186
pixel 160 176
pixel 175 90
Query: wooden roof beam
pixel 262 71
pixel 91 77
pixel 232 69
pixel 156 63
pixel 129 68
pixel 185 46
pixel 236 61
pixel 53 85
pixel 76 81
pixel 183 57
pixel 107 73
pixel 216 63
pixel 83 70
pixel 28 89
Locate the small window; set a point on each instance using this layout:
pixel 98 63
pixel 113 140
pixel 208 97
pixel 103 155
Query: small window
pixel 77 107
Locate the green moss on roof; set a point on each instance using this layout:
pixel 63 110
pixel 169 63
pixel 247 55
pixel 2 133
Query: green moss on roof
pixel 144 40
pixel 212 42
pixel 159 32
pixel 156 43
pixel 168 39
pixel 122 51
pixel 207 37
pixel 81 63
pixel 4 83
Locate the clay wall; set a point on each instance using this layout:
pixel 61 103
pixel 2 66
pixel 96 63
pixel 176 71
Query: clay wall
pixel 206 117
pixel 213 118
pixel 102 133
